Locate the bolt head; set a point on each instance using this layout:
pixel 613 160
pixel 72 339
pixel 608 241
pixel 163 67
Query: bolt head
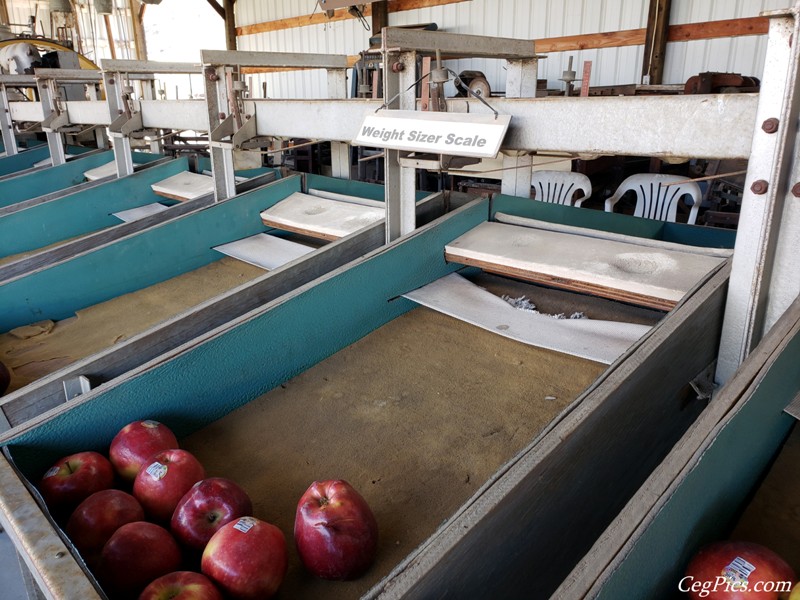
pixel 770 125
pixel 221 116
pixel 796 190
pixel 398 66
pixel 759 187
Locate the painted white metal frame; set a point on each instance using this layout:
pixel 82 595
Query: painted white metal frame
pixel 8 108
pixel 759 293
pixel 129 116
pixel 400 48
pixel 232 124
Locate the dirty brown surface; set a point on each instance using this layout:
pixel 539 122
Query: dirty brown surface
pixel 772 518
pixel 32 352
pixel 417 416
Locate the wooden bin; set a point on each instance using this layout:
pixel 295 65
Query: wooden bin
pixel 515 526
pixel 697 494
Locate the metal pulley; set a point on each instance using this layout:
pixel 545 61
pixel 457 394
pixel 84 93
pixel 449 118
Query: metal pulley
pixel 476 82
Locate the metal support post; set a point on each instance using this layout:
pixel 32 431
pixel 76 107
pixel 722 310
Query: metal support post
pixel 340 152
pixel 521 80
pixel 755 294
pixel 117 107
pixel 6 124
pixel 48 94
pixel 220 125
pixel 398 79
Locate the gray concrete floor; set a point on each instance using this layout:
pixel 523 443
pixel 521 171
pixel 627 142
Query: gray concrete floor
pixel 11 584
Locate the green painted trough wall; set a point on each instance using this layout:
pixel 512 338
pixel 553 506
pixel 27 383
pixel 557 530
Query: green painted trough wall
pixel 302 328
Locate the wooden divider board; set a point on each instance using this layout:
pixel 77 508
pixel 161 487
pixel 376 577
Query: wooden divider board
pixel 184 186
pixel 656 278
pixel 107 170
pixel 263 250
pixel 320 217
pixel 140 212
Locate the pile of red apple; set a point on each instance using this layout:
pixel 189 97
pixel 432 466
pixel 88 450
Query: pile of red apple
pixel 150 524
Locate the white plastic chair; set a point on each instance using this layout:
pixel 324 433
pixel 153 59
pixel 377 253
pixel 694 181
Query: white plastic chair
pixel 559 187
pixel 654 199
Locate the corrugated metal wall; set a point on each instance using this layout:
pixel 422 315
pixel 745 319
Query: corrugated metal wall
pixel 523 19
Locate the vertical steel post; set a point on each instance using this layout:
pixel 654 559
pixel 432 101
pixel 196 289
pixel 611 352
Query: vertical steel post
pixel 340 151
pixel 6 124
pixel 218 101
pixel 399 75
pixel 123 159
pixel 759 240
pixel 521 80
pixel 48 94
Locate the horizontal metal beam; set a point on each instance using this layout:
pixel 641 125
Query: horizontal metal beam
pixel 455 45
pixel 697 126
pixel 294 60
pixel 87 75
pixel 88 112
pixel 174 114
pixel 149 66
pixel 18 80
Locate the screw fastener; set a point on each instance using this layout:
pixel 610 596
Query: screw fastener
pixel 759 187
pixel 398 66
pixel 770 125
pixel 796 190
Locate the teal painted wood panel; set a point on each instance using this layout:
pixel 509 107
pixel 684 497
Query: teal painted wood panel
pixel 705 505
pixel 145 258
pixel 51 179
pixel 23 160
pixel 240 363
pixel 614 222
pixel 351 187
pixel 82 212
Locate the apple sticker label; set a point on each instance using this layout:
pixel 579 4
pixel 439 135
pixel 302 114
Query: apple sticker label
pixel 244 524
pixel 150 423
pixel 157 470
pixel 50 472
pixel 738 571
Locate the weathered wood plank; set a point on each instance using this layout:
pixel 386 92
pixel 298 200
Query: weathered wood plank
pixel 24 406
pixel 55 571
pixel 656 278
pixel 611 548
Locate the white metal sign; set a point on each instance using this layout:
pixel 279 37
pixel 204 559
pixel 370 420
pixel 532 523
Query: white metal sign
pixel 455 134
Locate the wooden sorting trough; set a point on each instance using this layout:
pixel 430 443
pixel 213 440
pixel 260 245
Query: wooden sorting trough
pixel 722 480
pixel 111 309
pixel 27 184
pixel 25 161
pixel 52 228
pixel 478 453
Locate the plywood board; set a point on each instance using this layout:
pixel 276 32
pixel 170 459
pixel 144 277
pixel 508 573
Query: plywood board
pixel 107 170
pixel 140 212
pixel 657 278
pixel 320 217
pixel 264 250
pixel 601 341
pixel 184 186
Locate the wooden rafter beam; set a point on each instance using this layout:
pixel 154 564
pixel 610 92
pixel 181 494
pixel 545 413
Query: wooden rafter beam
pixel 217 7
pixel 319 18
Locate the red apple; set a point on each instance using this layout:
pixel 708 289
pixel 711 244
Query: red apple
pixel 95 520
pixel 136 443
pixel 74 478
pixel 246 558
pixel 335 532
pixel 207 506
pixel 181 585
pixel 136 554
pixel 161 484
pixel 731 570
